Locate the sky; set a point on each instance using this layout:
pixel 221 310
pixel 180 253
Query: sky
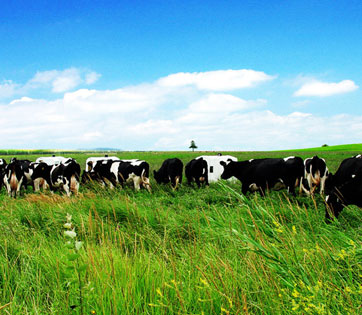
pixel 154 75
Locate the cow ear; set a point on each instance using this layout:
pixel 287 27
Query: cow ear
pixel 223 163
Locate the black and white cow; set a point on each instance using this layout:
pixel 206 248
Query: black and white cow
pixel 28 168
pixel 62 176
pixel 262 174
pixel 113 172
pixel 170 172
pixel 315 175
pixel 2 171
pixel 344 187
pixel 136 171
pixel 196 170
pixel 13 178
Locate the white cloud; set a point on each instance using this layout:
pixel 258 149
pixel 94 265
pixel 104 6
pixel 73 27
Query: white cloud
pixel 322 89
pixel 7 88
pixel 92 77
pixel 221 80
pixel 62 81
pixel 163 117
pixel 58 81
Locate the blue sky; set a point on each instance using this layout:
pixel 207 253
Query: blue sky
pixel 152 75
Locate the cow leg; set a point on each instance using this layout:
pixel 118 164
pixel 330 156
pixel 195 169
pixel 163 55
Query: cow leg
pixel 323 184
pixel 19 186
pixel 36 184
pixel 66 187
pixel 197 180
pixel 137 183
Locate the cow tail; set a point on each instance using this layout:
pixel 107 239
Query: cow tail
pixel 316 180
pixel 73 184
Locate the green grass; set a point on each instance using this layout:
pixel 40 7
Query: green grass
pixel 193 251
pixel 357 147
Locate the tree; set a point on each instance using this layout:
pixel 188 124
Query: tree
pixel 193 146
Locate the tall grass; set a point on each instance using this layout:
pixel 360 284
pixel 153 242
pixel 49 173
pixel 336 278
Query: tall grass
pixel 193 251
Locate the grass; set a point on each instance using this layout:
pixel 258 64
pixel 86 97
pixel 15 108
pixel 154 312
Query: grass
pixel 193 251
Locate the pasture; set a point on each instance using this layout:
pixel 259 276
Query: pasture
pixel 191 251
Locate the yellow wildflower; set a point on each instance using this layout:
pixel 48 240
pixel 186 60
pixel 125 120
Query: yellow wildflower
pixel 203 281
pixel 159 292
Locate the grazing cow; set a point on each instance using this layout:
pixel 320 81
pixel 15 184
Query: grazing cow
pixel 170 171
pixel 28 168
pixel 262 174
pixel 136 171
pixel 111 173
pixel 62 176
pixel 92 161
pixel 2 171
pixel 315 174
pixel 344 187
pixel 196 170
pixel 13 178
pixel 101 171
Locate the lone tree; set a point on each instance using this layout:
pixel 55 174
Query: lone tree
pixel 193 146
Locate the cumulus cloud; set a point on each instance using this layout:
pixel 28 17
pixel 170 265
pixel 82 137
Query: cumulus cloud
pixel 62 81
pixel 7 88
pixel 162 116
pixel 221 80
pixel 322 89
pixel 58 81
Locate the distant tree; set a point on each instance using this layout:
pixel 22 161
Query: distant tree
pixel 324 145
pixel 193 146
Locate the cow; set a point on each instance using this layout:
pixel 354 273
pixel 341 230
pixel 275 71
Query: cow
pixel 196 170
pixel 92 161
pixel 114 172
pixel 60 176
pixel 344 187
pixel 101 171
pixel 315 175
pixel 13 178
pixel 136 171
pixel 262 174
pixel 170 171
pixel 2 171
pixel 28 168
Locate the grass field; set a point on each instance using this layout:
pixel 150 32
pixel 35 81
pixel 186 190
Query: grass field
pixel 193 251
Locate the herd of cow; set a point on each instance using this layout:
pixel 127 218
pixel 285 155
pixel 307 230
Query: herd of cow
pixel 53 173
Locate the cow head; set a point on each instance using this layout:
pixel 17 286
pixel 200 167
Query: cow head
pixel 228 169
pixel 334 206
pixel 157 177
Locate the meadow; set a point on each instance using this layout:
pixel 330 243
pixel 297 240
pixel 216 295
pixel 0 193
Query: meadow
pixel 191 251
